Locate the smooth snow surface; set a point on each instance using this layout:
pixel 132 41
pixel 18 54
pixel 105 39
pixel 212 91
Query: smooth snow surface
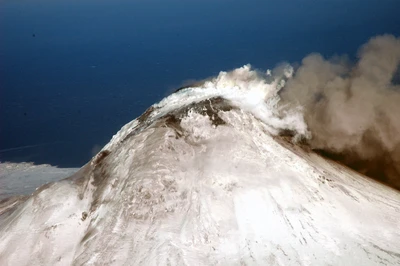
pixel 199 179
pixel 24 178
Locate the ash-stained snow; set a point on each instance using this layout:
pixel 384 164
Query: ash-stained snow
pixel 205 182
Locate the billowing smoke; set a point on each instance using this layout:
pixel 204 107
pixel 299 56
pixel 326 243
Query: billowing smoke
pixel 353 110
pixel 347 111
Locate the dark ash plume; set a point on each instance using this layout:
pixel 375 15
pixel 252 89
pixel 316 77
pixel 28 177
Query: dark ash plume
pixel 353 111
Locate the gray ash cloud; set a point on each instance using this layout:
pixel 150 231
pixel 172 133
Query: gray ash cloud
pixel 353 110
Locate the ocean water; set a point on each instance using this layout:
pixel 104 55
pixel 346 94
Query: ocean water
pixel 73 72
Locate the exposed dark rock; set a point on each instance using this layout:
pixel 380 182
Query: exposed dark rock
pixel 210 107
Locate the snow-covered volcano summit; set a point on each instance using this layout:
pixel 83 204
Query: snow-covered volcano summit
pixel 200 179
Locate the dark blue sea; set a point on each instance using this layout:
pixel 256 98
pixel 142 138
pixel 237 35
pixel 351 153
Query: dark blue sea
pixel 72 73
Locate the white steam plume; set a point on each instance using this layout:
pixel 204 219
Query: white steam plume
pixel 350 112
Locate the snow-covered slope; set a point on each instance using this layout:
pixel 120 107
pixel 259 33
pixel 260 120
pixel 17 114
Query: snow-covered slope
pixel 202 179
pixel 24 178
